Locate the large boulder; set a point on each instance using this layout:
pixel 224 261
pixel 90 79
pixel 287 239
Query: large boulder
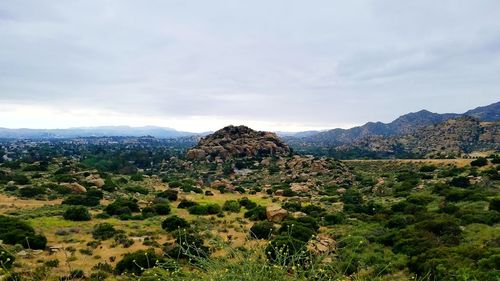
pixel 75 187
pixel 276 213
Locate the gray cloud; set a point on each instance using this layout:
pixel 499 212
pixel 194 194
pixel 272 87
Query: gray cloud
pixel 311 63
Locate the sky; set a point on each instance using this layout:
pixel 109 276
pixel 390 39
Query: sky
pixel 280 65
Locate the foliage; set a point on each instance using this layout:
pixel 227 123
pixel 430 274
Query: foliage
pixel 122 206
pixel 138 261
pixel 77 213
pixel 262 230
pixel 103 231
pixel 15 231
pixel 174 222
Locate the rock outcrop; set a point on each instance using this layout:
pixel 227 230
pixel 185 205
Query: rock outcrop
pixel 238 142
pixel 276 213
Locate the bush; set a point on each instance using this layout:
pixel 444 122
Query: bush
pixel 78 213
pixel 170 195
pixel 207 209
pixel 122 206
pixel 479 162
pixel 231 206
pixel 262 230
pixel 428 168
pixel 174 222
pixel 81 200
pixel 332 219
pixel 186 204
pixel 30 192
pixel 136 262
pixel 103 231
pixel 247 203
pixel 161 208
pixel 137 177
pixel 14 231
pixel 256 214
pixel 296 230
pixel 313 210
pixel 137 189
pixel 285 250
pixel 460 182
pixel 292 206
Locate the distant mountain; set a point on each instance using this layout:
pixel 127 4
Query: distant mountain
pixel 418 134
pixel 126 131
pixel 486 113
pixel 297 134
pixel 405 124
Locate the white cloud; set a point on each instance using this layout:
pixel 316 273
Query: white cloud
pixel 274 64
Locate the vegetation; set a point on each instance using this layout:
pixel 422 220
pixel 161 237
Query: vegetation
pixel 158 214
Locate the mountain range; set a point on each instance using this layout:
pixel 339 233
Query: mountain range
pixel 119 131
pixel 418 134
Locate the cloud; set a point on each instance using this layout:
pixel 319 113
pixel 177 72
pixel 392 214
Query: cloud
pixel 278 64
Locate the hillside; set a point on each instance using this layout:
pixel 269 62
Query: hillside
pixel 451 138
pixel 418 134
pixel 404 124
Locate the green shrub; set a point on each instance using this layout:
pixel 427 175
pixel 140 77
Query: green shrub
pixel 313 210
pixel 14 231
pixel 428 168
pixel 122 206
pixel 162 208
pixel 170 195
pixel 137 189
pixel 174 222
pixel 262 230
pixel 333 219
pixel 136 262
pixel 479 162
pixel 292 206
pixel 231 206
pixel 103 231
pixel 207 209
pixel 256 214
pixel 186 204
pixel 77 213
pixel 30 191
pixel 247 203
pixel 285 250
pixel 81 200
pixel 460 182
pixel 137 177
pixel 296 230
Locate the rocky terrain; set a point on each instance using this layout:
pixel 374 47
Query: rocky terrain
pixel 238 141
pixel 420 134
pixel 452 138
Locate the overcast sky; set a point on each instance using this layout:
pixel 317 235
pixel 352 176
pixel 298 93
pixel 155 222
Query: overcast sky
pixel 274 65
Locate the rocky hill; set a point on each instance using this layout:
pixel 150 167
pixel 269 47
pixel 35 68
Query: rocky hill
pixel 405 124
pixel 451 138
pixel 238 142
